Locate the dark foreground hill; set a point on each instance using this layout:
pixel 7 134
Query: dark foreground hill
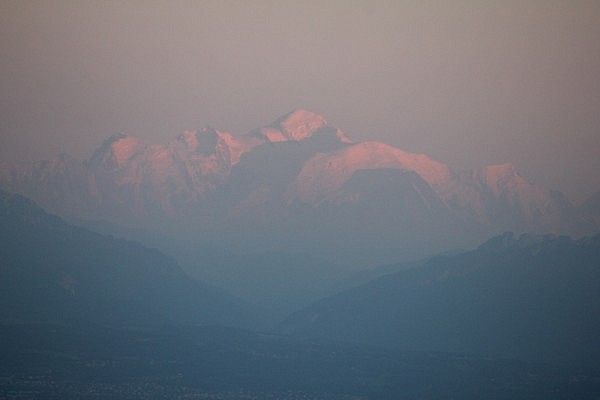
pixel 528 297
pixel 54 272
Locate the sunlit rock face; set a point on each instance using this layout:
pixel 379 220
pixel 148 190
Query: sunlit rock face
pixel 298 183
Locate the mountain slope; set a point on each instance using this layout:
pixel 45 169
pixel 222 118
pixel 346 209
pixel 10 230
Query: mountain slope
pixel 532 297
pixel 53 272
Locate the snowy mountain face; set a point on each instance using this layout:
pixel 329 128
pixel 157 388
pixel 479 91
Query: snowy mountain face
pixel 297 183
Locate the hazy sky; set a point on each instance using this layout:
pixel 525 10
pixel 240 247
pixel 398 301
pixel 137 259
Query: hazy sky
pixel 467 82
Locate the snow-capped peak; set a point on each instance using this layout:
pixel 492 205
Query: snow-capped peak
pixel 298 125
pixel 327 172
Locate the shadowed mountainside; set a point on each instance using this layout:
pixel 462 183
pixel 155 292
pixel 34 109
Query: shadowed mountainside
pixel 529 297
pixel 54 272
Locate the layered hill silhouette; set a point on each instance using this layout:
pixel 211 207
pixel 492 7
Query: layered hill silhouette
pixel 52 272
pixel 297 184
pixel 533 297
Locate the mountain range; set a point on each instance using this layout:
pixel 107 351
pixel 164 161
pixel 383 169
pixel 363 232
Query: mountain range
pixel 298 184
pixel 86 313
